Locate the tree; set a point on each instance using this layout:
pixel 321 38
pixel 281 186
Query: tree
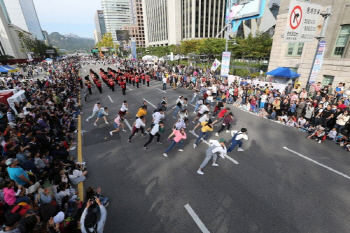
pixel 107 41
pixel 35 46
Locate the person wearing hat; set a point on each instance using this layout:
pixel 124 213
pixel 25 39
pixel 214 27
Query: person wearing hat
pixel 215 148
pixel 89 219
pixel 12 220
pixel 237 137
pixel 16 173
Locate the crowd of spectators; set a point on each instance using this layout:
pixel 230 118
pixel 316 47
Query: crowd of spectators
pixel 38 169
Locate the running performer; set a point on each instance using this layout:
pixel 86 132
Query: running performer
pixel 117 124
pixel 237 137
pixel 124 109
pixel 204 118
pixel 159 127
pixel 226 123
pixel 102 114
pixel 206 128
pixel 95 110
pixel 137 126
pixel 203 108
pixel 179 135
pixel 215 148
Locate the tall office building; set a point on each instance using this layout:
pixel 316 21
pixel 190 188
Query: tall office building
pixel 46 38
pixel 22 13
pixel 100 24
pixel 136 27
pixel 170 21
pixel 116 14
pixel 9 40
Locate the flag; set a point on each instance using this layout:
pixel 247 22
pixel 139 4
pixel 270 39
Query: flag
pixel 215 65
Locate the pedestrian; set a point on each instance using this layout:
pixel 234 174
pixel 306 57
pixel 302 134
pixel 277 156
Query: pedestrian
pixel 237 136
pixel 117 124
pixel 226 123
pixel 206 128
pixel 137 126
pixel 89 87
pixel 95 110
pixel 111 83
pixel 102 114
pixel 179 135
pixel 158 127
pixel 164 82
pixel 147 79
pixel 214 148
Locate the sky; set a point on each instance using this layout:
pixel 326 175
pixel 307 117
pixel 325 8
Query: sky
pixel 68 16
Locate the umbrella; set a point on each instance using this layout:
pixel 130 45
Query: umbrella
pixel 283 72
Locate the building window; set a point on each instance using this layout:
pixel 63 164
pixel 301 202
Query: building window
pixel 295 49
pixel 327 79
pixel 343 38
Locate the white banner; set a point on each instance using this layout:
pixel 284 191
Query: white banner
pixel 302 21
pixel 30 57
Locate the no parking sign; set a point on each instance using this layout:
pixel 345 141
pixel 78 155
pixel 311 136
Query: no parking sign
pixel 302 21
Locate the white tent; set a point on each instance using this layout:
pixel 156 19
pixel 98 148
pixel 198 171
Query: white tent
pixel 149 58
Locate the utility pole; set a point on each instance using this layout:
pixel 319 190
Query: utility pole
pixel 322 35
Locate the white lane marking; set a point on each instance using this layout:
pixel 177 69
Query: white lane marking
pixel 196 219
pixel 129 88
pixel 149 103
pixel 110 99
pixel 193 105
pixel 206 142
pixel 127 123
pixel 320 164
pixel 161 90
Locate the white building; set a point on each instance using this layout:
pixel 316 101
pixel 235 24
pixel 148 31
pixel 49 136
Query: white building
pixel 97 36
pixel 22 13
pixel 116 14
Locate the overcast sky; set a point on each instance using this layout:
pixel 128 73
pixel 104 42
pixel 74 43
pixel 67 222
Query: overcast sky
pixel 68 16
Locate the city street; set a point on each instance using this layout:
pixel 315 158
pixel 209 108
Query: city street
pixel 282 182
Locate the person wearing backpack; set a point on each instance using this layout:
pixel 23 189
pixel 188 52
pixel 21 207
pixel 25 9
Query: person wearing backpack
pixel 89 219
pixel 215 147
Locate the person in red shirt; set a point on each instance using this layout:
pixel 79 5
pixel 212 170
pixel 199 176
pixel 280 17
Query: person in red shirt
pixel 99 86
pixel 222 114
pixel 143 79
pixel 111 84
pixel 133 80
pixel 122 83
pixel 89 87
pixel 137 79
pixel 147 79
pixel 341 105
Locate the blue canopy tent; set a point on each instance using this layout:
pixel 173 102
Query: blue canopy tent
pixel 10 68
pixel 283 72
pixel 3 70
pixel 48 59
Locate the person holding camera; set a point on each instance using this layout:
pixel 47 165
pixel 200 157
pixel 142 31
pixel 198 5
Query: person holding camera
pixel 89 219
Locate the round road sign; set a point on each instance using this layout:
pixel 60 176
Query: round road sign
pixel 295 17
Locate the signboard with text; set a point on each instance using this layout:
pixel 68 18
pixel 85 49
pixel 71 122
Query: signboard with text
pixel 225 64
pixel 302 21
pixel 318 62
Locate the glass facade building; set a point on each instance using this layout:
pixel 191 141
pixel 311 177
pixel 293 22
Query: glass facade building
pixel 22 13
pixel 116 14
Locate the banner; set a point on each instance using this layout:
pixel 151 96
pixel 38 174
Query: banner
pixel 225 65
pixel 133 48
pixel 215 65
pixel 318 62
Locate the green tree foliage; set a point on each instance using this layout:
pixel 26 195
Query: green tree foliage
pixel 107 41
pixel 254 47
pixel 36 46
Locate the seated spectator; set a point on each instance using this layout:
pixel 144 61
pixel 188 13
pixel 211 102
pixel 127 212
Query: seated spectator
pixel 332 134
pixel 318 135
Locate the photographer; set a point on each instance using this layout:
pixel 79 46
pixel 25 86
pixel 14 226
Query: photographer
pixel 89 219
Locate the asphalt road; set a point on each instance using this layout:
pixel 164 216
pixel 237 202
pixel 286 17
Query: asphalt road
pixel 271 189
